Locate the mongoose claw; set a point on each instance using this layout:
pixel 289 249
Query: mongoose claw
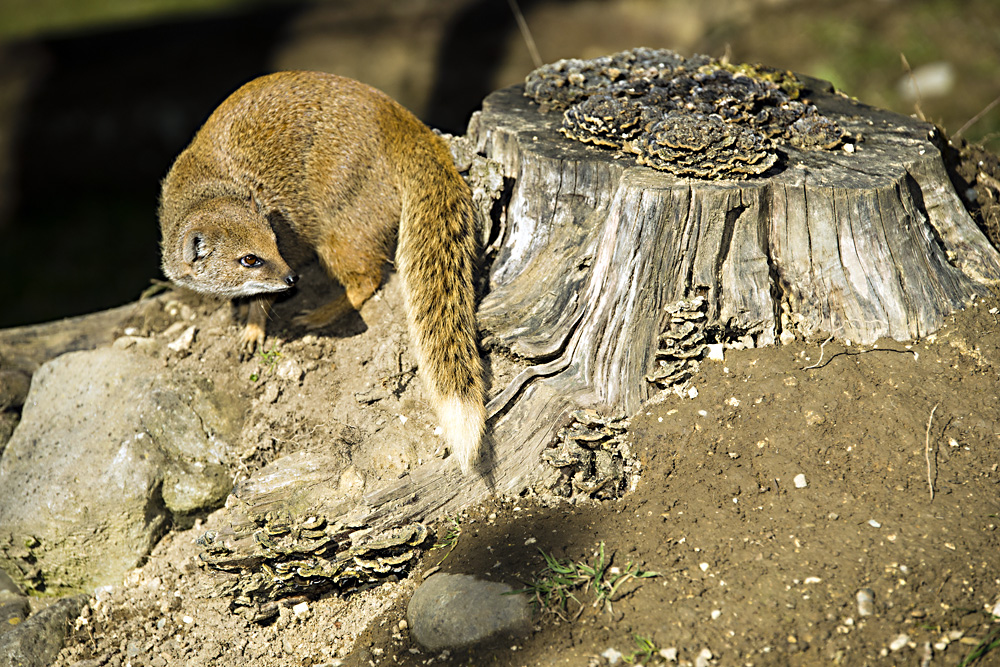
pixel 251 338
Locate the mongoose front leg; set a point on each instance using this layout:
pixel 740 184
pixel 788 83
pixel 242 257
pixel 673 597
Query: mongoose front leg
pixel 253 334
pixel 358 268
pixel 356 292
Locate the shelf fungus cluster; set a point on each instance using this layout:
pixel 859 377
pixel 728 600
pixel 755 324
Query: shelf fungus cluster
pixel 590 458
pixel 694 117
pixel 290 558
pixel 683 344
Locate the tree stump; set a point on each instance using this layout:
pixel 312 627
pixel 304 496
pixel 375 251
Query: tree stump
pixel 600 269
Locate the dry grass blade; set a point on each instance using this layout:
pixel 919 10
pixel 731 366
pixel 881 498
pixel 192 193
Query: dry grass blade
pixel 522 25
pixel 927 451
pixel 975 119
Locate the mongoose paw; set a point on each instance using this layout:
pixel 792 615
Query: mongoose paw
pixel 251 338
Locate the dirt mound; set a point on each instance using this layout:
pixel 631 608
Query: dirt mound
pixel 797 477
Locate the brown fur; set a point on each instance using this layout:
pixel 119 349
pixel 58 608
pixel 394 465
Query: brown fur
pixel 342 167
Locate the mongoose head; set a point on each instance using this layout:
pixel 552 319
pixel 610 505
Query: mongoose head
pixel 227 248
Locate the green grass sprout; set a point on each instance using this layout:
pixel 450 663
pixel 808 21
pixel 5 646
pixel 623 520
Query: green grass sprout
pixel 560 580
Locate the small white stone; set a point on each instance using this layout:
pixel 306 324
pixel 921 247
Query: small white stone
pixel 703 566
pixel 716 613
pixel 271 394
pixel 866 602
pixel 613 656
pixel 704 657
pixel 812 580
pixel 899 642
pixel 848 148
pixel 669 654
pixel 301 609
pixel 874 524
pixel 290 370
pixel 693 392
pixel 800 481
pixel 188 620
pixel 716 351
pixel 183 342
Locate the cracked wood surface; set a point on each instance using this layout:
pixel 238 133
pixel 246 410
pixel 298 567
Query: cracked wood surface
pixel 589 249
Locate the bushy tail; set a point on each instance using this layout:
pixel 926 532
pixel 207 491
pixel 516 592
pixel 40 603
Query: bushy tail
pixel 436 257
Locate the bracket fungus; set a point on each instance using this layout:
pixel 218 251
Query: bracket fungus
pixel 694 117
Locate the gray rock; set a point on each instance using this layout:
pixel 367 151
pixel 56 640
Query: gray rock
pixel 13 388
pixel 8 422
pixel 7 584
pixel 110 447
pixel 37 641
pixel 14 609
pixel 455 610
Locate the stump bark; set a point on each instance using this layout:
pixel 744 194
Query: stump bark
pixel 587 252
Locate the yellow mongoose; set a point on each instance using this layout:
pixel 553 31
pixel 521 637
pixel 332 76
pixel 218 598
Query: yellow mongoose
pixel 338 167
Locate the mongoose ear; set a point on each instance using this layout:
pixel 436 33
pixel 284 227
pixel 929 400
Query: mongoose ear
pixel 195 246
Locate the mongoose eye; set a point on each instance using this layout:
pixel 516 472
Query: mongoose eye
pixel 251 261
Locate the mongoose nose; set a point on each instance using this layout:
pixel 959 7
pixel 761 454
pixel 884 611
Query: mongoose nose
pixel 291 279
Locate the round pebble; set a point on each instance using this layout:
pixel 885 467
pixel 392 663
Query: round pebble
pixel 866 602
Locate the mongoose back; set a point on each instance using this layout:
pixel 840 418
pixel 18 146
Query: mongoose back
pixel 342 168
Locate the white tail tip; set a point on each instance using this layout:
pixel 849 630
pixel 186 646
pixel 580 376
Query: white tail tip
pixel 463 423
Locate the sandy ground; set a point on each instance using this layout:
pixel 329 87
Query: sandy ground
pixel 751 567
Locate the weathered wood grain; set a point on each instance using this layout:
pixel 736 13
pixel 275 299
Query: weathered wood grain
pixel 591 248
